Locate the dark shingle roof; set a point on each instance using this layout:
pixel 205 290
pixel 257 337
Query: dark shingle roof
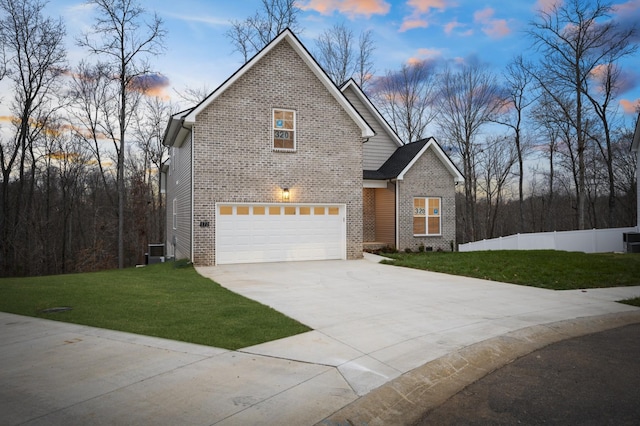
pixel 398 161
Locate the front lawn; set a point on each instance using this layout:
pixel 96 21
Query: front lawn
pixel 558 270
pixel 167 300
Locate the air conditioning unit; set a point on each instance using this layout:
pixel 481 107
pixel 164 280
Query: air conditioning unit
pixel 631 242
pixel 155 254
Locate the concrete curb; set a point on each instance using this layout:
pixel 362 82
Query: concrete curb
pixel 404 400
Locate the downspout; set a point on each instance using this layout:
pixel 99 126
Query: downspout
pixel 397 215
pixel 192 187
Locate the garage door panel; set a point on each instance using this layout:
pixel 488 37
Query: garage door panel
pixel 298 232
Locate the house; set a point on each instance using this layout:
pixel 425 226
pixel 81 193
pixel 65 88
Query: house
pixel 279 164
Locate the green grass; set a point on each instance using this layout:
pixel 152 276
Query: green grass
pixel 556 270
pixel 632 302
pixel 158 300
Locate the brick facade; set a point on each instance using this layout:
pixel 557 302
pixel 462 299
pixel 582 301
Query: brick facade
pixel 369 215
pixel 233 159
pixel 427 178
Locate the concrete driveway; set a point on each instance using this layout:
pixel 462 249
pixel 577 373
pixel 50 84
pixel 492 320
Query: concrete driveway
pixel 384 339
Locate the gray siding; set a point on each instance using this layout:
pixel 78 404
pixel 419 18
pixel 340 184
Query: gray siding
pixel 179 188
pixel 380 147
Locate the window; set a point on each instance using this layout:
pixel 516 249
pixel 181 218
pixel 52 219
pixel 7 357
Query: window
pixel 426 216
pixel 284 130
pixel 175 213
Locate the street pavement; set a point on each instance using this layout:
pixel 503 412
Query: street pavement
pixel 588 380
pixel 388 344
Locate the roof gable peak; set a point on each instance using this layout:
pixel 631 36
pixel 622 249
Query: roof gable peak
pixel 289 37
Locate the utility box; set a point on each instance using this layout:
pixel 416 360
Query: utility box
pixel 155 254
pixel 631 242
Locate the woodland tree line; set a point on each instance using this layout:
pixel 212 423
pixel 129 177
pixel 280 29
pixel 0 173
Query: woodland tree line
pixel 543 145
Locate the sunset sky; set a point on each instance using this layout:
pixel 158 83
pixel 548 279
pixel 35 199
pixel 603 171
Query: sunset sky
pixel 493 31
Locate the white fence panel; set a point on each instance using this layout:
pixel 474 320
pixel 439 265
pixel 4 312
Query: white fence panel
pixel 540 241
pixel 589 241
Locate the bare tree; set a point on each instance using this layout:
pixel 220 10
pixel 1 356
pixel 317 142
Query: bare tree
pixel 575 37
pixel 251 35
pixel 194 95
pixel 467 99
pixel 518 98
pixel 65 163
pixel 625 166
pixel 124 37
pixel 497 157
pixel 92 97
pixel 342 59
pixel 406 98
pixel 35 56
pixel 149 128
pixel 606 79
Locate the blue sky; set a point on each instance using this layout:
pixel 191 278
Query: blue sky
pixel 198 53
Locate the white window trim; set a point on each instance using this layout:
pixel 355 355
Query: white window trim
pixel 427 216
pixel 294 130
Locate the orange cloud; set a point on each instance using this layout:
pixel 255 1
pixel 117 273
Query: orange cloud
pixel 423 55
pixel 630 107
pixel 484 15
pixel 351 8
pixel 448 28
pixel 153 84
pixel 547 5
pixel 420 14
pixel 57 129
pixel 630 6
pixel 410 24
pixel 424 6
pixel 494 28
pixel 427 53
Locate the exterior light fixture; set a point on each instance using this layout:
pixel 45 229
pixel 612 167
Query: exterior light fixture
pixel 285 194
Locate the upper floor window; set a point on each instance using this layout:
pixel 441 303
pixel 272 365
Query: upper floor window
pixel 426 216
pixel 284 130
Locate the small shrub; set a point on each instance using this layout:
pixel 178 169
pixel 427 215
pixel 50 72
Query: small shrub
pixel 421 248
pixel 408 250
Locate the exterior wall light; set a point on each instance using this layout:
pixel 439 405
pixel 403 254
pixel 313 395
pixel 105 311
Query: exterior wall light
pixel 285 194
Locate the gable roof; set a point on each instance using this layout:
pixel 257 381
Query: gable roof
pixel 406 156
pixel 188 117
pixel 372 109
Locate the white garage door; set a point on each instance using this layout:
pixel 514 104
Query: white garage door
pixel 252 233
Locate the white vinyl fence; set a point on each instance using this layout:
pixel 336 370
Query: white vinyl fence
pixel 589 241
